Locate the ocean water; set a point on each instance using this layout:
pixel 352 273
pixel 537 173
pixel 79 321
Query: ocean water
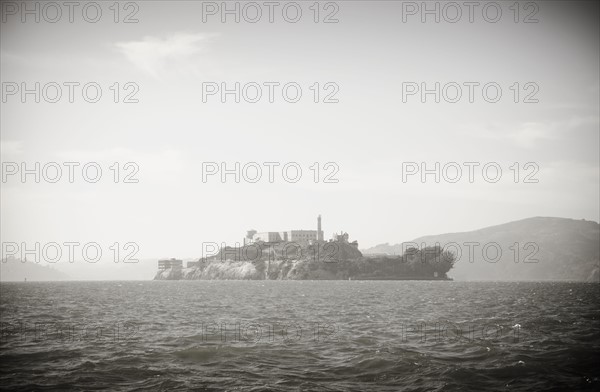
pixel 300 335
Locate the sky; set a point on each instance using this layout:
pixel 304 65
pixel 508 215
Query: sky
pixel 363 139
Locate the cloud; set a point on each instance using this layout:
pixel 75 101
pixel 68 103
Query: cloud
pixel 158 56
pixel 528 135
pixel 11 147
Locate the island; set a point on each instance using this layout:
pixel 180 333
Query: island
pixel 305 255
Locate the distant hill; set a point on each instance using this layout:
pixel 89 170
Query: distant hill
pixel 15 270
pixel 565 249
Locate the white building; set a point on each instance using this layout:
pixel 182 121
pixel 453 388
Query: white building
pixel 267 236
pixel 297 236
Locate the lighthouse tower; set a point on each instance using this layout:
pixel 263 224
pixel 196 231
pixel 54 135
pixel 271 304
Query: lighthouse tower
pixel 319 231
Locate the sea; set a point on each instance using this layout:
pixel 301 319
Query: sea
pixel 300 336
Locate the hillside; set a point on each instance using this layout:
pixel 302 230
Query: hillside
pixel 14 270
pixel 565 249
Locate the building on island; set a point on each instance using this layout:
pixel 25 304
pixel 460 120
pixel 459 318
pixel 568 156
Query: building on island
pixel 302 237
pixel 297 236
pixel 267 236
pixel 170 263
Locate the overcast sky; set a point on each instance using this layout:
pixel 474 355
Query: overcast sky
pixel 368 134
